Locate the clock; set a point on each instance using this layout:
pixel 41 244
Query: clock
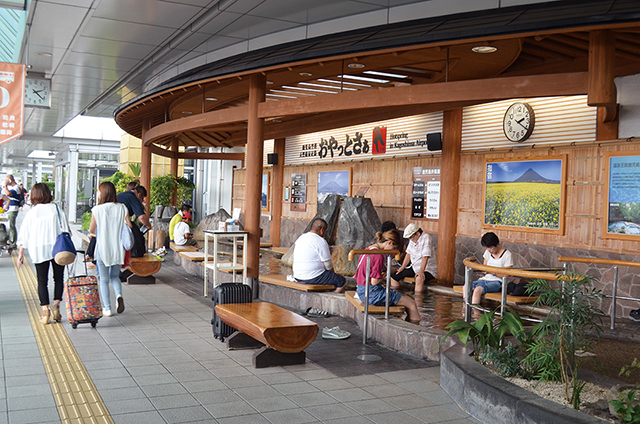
pixel 518 122
pixel 37 92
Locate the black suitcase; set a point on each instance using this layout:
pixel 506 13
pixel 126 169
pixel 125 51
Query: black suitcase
pixel 227 293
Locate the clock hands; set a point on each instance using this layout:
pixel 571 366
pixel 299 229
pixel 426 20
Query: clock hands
pixel 520 122
pixel 37 92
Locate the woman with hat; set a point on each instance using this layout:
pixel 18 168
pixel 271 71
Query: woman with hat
pixel 418 252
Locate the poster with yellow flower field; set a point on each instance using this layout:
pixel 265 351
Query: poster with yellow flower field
pixel 527 194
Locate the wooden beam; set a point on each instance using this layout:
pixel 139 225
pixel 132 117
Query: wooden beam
pixel 214 156
pixel 602 89
pixel 491 89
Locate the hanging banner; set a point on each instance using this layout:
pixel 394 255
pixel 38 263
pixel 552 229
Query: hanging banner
pixel 11 101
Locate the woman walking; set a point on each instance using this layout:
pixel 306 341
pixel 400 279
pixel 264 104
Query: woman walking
pixel 107 221
pixel 41 226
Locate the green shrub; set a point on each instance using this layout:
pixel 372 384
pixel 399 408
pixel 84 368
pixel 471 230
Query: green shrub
pixel 86 220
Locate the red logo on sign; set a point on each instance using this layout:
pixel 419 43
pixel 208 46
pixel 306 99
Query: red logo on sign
pixel 379 140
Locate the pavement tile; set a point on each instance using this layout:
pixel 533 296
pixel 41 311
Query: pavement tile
pixel 230 409
pixel 269 404
pixel 332 411
pixel 289 416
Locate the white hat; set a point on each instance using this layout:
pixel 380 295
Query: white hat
pixel 410 230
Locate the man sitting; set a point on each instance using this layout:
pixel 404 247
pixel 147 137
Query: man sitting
pixel 312 259
pixel 176 219
pixel 182 232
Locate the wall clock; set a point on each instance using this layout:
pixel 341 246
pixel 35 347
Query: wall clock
pixel 518 122
pixel 37 92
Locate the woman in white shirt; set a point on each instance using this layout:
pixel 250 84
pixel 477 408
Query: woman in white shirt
pixel 107 221
pixel 41 226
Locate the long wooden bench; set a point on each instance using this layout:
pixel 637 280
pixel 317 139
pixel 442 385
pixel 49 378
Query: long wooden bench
pixel 142 270
pixel 282 250
pixel 497 297
pixel 284 334
pixel 179 249
pixel 350 295
pixel 281 280
pixel 195 256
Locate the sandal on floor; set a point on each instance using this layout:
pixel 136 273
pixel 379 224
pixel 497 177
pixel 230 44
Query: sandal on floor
pixel 316 313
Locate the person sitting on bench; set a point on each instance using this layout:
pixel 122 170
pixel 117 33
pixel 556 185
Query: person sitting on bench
pixel 416 257
pixel 182 232
pixel 312 259
pixel 388 240
pixel 176 219
pixel 494 255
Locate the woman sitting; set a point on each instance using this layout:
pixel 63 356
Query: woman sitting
pixel 377 293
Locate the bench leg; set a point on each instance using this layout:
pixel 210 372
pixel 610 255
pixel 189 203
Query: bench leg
pixel 239 340
pixel 136 279
pixel 267 357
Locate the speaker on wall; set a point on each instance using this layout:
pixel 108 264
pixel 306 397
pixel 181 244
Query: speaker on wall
pixel 434 141
pixel 272 158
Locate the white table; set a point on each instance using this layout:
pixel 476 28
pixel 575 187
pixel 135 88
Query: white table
pixel 226 266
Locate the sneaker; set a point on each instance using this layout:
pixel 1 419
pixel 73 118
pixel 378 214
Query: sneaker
pixel 635 315
pixel 316 313
pixel 107 313
pixel 334 333
pixel 120 302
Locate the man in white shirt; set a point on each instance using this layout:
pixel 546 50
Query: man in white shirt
pixel 182 232
pixel 312 259
pixel 418 253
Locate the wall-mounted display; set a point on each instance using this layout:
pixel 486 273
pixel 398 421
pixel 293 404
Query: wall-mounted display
pixel 426 193
pixel 623 195
pixel 299 192
pixel 526 194
pixel 333 182
pixel 265 192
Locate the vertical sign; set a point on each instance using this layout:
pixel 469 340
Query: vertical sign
pixel 426 193
pixel 11 101
pixel 299 192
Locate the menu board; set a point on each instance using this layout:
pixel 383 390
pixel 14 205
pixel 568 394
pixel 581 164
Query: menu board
pixel 299 192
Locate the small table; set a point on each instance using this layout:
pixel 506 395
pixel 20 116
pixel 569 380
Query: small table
pixel 225 266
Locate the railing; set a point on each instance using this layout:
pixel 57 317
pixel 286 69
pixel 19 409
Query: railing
pixel 616 264
pixel 471 264
pixel 352 253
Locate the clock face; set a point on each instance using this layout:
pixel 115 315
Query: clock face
pixel 518 122
pixel 37 92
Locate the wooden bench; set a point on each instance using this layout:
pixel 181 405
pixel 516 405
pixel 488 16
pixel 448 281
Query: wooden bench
pixel 497 297
pixel 195 256
pixel 179 249
pixel 142 270
pixel 351 297
pixel 282 250
pixel 284 334
pixel 281 280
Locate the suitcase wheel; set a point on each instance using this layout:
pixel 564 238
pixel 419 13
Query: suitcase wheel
pixel 74 325
pixel 93 324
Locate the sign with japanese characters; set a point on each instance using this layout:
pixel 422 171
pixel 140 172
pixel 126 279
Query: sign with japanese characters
pixel 299 192
pixel 623 195
pixel 426 193
pixel 11 101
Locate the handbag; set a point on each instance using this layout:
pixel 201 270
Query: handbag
pixel 126 235
pixel 64 251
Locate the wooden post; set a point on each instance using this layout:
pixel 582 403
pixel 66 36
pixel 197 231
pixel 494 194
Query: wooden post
pixel 145 164
pixel 601 88
pixel 450 178
pixel 174 169
pixel 276 190
pixel 254 154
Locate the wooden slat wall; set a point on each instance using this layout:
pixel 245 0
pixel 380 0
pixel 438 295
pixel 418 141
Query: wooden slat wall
pixel 390 192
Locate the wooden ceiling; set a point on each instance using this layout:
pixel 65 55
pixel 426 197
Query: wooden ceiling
pixel 536 53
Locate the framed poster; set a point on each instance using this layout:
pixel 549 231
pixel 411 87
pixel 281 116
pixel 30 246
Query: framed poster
pixel 299 192
pixel 527 195
pixel 622 200
pixel 333 182
pixel 265 192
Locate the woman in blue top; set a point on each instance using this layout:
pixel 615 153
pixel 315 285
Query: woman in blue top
pixel 388 240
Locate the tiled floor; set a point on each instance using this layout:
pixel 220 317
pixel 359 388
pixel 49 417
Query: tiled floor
pixel 158 362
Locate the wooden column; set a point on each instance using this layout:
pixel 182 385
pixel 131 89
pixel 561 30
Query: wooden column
pixel 145 164
pixel 174 168
pixel 276 192
pixel 450 178
pixel 602 89
pixel 253 192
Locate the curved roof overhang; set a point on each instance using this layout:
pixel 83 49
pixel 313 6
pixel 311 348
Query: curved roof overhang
pixel 426 66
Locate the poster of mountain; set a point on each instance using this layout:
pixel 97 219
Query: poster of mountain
pixel 338 182
pixel 623 195
pixel 525 193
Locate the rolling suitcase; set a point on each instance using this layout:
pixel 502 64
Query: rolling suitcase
pixel 227 293
pixel 83 301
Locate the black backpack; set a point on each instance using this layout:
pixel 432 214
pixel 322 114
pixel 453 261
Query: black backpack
pixel 139 247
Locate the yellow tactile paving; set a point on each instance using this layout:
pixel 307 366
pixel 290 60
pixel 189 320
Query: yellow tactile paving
pixel 76 396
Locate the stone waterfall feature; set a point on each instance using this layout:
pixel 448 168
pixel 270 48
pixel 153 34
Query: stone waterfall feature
pixel 353 224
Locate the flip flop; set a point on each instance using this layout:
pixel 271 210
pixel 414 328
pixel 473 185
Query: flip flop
pixel 316 313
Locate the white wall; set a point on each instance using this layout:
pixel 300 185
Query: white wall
pixel 629 100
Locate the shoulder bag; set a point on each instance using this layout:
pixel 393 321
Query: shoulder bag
pixel 64 251
pixel 126 235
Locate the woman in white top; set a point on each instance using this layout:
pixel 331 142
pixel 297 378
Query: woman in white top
pixel 41 226
pixel 107 221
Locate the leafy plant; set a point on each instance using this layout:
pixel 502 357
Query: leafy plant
pixel 136 169
pixel 86 220
pixel 162 188
pixel 506 361
pixel 185 190
pixel 120 180
pixel 565 331
pixel 626 406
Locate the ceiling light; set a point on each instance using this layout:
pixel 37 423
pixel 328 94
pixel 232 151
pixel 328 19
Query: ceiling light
pixel 269 82
pixel 291 92
pixel 344 82
pixel 309 89
pixel 46 54
pixel 385 74
pixel 373 80
pixel 310 84
pixel 186 112
pixel 279 95
pixel 356 65
pixel 484 49
pixel 306 74
pixel 211 99
pixel 277 121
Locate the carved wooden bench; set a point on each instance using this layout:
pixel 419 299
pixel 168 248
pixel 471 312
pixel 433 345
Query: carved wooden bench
pixel 141 270
pixel 284 334
pixel 497 297
pixel 350 295
pixel 281 280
